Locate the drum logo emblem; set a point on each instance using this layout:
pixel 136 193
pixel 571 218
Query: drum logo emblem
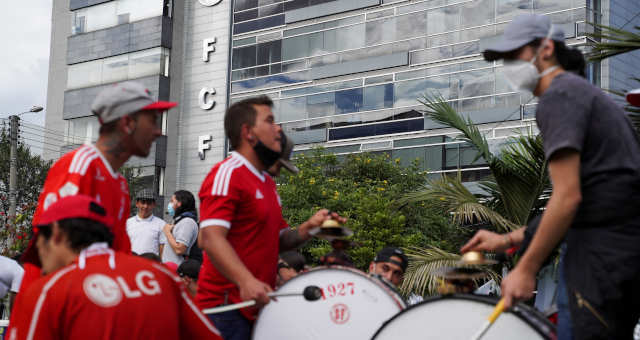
pixel 339 313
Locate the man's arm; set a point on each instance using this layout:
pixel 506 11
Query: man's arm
pixel 178 247
pixel 485 240
pixel 293 238
pixel 564 169
pixel 213 240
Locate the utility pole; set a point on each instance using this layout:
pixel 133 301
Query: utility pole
pixel 13 164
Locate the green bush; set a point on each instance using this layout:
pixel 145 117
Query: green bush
pixel 363 188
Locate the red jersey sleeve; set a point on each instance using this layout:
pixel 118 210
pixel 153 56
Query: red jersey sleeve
pixel 219 196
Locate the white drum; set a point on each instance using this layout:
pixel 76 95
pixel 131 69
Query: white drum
pixel 353 306
pixel 459 317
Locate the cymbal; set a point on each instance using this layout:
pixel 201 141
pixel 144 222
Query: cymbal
pixel 331 230
pixel 460 273
pixel 475 258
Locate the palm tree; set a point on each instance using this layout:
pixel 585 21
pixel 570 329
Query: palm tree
pixel 609 42
pixel 513 192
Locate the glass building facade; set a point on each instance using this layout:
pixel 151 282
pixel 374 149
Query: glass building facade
pixel 349 74
pixel 109 42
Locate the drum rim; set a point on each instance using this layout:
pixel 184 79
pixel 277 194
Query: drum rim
pixel 520 311
pixel 395 295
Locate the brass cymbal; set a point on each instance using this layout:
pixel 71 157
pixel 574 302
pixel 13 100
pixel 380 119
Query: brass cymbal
pixel 460 273
pixel 331 230
pixel 475 258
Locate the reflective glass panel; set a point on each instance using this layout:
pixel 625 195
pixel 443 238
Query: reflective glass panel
pixel 407 92
pixel 113 13
pixel 378 97
pixel 411 25
pixel 321 105
pixel 348 101
pixel 443 19
pixel 292 109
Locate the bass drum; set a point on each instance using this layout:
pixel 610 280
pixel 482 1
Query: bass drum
pixel 353 306
pixel 459 317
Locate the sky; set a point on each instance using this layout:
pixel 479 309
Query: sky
pixel 25 34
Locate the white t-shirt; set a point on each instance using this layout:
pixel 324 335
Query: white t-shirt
pixel 145 234
pixel 10 276
pixel 185 232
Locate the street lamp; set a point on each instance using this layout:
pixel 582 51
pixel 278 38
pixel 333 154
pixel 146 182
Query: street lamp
pixel 13 164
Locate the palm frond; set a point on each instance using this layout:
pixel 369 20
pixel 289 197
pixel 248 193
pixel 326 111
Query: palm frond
pixel 420 275
pixel 449 195
pixel 521 175
pixel 438 110
pixel 612 41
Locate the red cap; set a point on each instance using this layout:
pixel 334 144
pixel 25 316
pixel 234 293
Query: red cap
pixel 77 206
pixel 160 105
pixel 633 97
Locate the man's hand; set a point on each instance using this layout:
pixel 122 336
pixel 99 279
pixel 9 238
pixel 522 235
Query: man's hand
pixel 255 289
pixel 168 228
pixel 518 286
pixel 485 240
pixel 318 218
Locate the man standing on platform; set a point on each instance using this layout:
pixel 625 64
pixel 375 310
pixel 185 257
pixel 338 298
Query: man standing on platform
pixel 242 229
pixel 144 229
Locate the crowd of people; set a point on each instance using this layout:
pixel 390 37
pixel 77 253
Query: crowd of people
pixel 82 279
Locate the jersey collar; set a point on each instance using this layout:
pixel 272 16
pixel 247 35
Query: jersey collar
pixel 148 219
pixel 104 161
pixel 248 164
pixel 98 248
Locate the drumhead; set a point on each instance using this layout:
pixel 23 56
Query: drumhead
pixel 353 306
pixel 460 317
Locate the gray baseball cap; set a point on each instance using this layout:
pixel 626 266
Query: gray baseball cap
pixel 121 99
pixel 285 155
pixel 145 194
pixel 522 30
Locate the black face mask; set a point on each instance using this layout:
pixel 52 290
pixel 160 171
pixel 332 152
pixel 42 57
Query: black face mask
pixel 267 156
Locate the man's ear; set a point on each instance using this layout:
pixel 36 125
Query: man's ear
pixel 246 133
pixel 57 235
pixel 371 266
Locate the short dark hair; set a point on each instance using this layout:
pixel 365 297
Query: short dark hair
pixel 81 232
pixel 187 202
pixel 241 113
pixel 293 259
pixel 189 268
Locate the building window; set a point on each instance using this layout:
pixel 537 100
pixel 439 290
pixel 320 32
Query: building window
pixel 114 13
pixel 82 130
pixel 123 67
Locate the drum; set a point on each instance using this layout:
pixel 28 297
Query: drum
pixel 459 317
pixel 353 306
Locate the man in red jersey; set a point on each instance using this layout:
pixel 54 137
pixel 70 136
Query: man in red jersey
pixel 241 228
pixel 94 292
pixel 130 122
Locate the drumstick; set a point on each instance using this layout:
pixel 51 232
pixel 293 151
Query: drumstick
pixel 494 315
pixel 310 293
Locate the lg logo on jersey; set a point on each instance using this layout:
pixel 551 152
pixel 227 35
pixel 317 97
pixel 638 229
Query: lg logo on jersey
pixel 107 292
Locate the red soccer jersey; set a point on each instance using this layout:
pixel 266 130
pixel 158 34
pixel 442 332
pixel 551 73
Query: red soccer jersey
pixel 85 171
pixel 237 196
pixel 82 171
pixel 109 295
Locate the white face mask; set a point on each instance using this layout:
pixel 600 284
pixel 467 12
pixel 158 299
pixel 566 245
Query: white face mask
pixel 523 76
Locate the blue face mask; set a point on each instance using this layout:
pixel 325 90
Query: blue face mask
pixel 170 209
